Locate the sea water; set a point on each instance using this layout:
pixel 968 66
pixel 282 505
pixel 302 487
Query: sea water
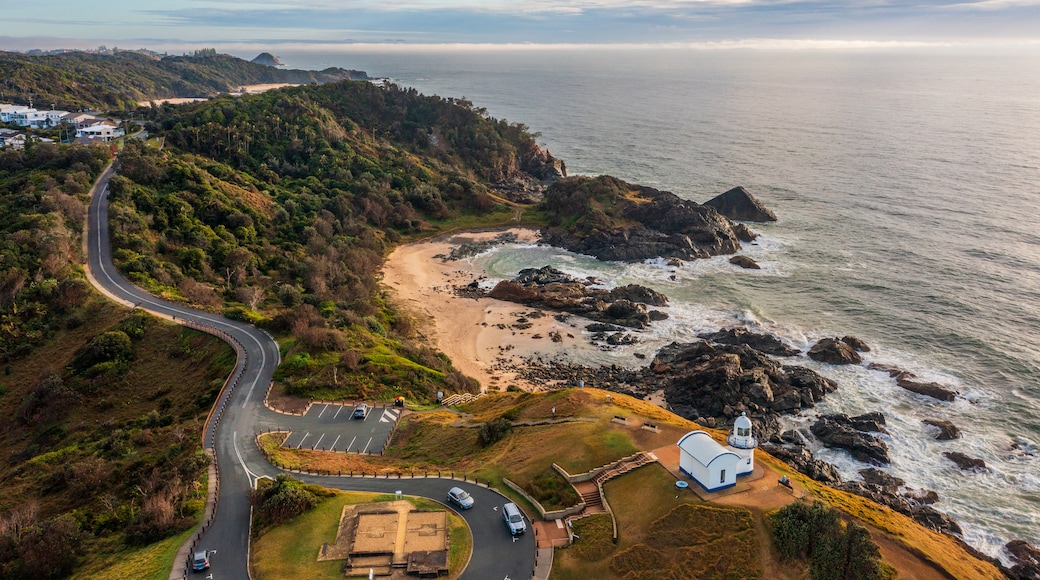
pixel 907 185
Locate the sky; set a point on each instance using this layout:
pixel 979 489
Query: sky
pixel 184 24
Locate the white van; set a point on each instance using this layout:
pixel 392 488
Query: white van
pixel 514 519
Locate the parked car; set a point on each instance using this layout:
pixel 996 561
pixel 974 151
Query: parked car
pixel 200 561
pixel 460 497
pixel 360 411
pixel 514 519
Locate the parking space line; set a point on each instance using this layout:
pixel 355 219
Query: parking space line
pixel 337 412
pixel 304 439
pixel 335 442
pixel 319 441
pixel 366 446
pixel 323 411
pixel 352 442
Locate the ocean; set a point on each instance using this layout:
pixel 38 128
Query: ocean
pixel 907 185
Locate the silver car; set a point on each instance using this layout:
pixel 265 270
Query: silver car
pixel 460 497
pixel 514 519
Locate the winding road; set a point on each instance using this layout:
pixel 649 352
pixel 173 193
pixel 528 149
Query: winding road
pixel 239 414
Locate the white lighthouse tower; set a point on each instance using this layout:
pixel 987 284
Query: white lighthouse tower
pixel 743 444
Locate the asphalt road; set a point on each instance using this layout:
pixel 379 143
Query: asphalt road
pixel 239 414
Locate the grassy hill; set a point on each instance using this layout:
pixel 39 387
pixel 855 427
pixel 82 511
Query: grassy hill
pixel 78 80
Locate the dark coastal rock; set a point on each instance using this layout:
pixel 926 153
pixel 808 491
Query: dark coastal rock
pixel 935 520
pixel 890 369
pixel 540 164
pixel 766 343
pixel 802 460
pixel 947 430
pixel 880 494
pixel 934 390
pixel 745 262
pixel 613 220
pixel 835 352
pixel 703 380
pixel 873 422
pixel 1026 560
pixel 965 462
pixel 744 233
pixel 738 204
pixel 810 385
pixel 552 289
pixel 838 431
pixel 875 476
pixel 856 344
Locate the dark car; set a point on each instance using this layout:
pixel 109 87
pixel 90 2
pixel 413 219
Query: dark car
pixel 460 497
pixel 200 561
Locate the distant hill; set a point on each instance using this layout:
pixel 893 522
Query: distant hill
pixel 80 80
pixel 267 59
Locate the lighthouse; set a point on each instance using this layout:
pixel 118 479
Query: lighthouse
pixel 743 443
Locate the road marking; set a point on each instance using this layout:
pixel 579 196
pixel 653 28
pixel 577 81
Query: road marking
pixel 319 441
pixel 366 446
pixel 304 439
pixel 388 416
pixel 219 323
pixel 335 442
pixel 352 442
pixel 337 412
pixel 559 523
pixel 252 476
pixel 325 408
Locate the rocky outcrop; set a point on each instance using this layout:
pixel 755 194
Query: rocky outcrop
pixel 905 379
pixel 540 164
pixel 839 431
pixel 705 381
pixel 266 59
pixel 1026 559
pixel 551 289
pixel 946 430
pixel 834 351
pixel 738 204
pixel 744 233
pixel 965 462
pixel 888 490
pixel 745 262
pixel 613 220
pixel 766 343
pixel 931 389
pixel 856 344
pixel 802 460
pixel 935 520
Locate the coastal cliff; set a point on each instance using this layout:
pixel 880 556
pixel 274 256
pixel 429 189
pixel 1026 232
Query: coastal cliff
pixel 613 220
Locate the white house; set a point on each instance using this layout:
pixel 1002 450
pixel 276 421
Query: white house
pixel 709 464
pixel 8 111
pixel 103 130
pixel 743 444
pixel 713 466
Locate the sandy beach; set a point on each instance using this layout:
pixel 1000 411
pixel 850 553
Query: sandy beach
pixel 244 90
pixel 481 336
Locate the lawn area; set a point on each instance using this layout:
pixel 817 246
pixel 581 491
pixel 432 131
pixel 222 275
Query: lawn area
pixel 660 534
pixel 291 550
pixel 151 562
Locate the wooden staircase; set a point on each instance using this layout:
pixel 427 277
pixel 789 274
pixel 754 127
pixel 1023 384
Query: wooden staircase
pixel 591 491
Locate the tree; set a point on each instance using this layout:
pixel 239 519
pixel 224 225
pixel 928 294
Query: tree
pixel 851 555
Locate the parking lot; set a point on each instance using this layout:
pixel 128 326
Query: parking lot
pixel 332 427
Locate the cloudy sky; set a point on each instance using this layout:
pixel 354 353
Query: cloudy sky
pixel 172 24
